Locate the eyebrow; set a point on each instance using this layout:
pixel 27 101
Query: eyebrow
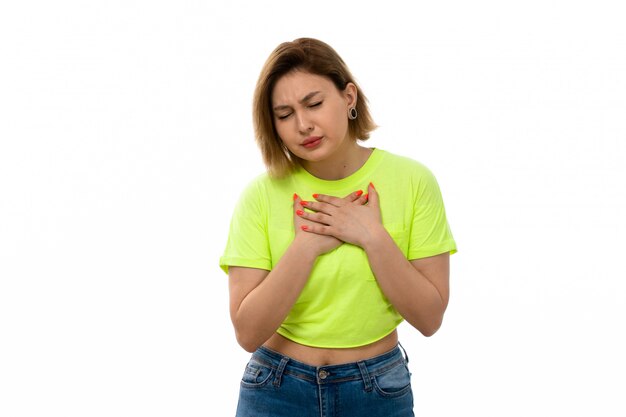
pixel 304 99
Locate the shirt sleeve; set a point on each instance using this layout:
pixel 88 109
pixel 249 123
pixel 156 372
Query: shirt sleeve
pixel 430 233
pixel 247 243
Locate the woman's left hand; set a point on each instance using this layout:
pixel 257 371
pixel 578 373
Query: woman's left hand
pixel 353 222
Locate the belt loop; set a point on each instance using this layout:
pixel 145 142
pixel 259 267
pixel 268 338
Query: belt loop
pixel 406 356
pixel 279 371
pixel 365 375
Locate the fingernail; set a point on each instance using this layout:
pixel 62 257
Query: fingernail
pixel 315 195
pixel 359 193
pixel 366 196
pixel 299 212
pixel 304 227
pixel 372 185
pixel 303 203
pixel 295 196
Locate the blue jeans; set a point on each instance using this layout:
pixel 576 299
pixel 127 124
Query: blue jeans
pixel 278 386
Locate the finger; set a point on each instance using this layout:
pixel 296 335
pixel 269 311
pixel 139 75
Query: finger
pixel 321 218
pixel 373 194
pixel 361 200
pixel 353 196
pixel 319 206
pixel 297 206
pixel 317 229
pixel 296 202
pixel 332 200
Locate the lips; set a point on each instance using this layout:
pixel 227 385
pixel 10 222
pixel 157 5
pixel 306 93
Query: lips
pixel 312 141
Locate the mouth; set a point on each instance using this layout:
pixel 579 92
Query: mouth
pixel 312 142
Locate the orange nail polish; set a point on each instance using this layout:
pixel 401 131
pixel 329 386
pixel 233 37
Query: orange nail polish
pixel 303 203
pixel 305 227
pixel 359 193
pixel 295 196
pixel 372 185
pixel 366 196
pixel 315 195
pixel 299 212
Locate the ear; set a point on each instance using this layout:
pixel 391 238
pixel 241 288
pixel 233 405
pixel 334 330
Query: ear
pixel 350 93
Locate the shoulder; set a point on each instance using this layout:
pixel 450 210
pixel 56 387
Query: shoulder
pixel 257 182
pixel 406 166
pixel 252 190
pixel 412 176
pixel 263 187
pixel 265 183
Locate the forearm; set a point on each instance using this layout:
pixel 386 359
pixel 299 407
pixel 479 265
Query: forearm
pixel 408 289
pixel 265 308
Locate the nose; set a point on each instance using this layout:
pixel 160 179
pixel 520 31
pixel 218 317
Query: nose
pixel 305 125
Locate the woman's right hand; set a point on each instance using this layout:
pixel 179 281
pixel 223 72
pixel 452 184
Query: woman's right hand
pixel 319 244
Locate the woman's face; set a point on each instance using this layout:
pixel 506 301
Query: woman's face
pixel 311 115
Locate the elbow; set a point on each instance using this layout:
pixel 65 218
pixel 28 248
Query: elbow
pixel 249 347
pixel 429 328
pixel 429 331
pixel 247 344
pixel 247 334
pixel 247 341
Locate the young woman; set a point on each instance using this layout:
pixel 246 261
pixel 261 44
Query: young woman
pixel 330 250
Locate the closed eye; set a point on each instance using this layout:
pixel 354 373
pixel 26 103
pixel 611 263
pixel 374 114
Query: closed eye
pixel 316 104
pixel 283 117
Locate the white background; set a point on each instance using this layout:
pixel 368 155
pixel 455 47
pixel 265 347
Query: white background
pixel 126 138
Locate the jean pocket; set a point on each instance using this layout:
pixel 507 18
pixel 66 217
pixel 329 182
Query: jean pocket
pixel 256 374
pixel 394 382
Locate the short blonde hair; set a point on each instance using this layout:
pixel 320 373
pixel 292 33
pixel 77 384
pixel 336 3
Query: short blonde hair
pixel 315 57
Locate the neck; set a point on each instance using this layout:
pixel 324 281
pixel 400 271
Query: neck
pixel 343 163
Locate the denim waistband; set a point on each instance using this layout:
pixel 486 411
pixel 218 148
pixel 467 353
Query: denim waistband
pixel 365 369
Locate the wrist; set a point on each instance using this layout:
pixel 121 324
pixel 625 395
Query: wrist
pixel 374 237
pixel 302 246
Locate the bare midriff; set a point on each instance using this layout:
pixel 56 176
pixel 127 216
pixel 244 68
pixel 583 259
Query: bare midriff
pixel 324 356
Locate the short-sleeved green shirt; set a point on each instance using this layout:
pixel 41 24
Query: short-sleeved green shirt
pixel 341 304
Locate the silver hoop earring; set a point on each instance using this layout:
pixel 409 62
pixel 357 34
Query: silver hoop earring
pixel 352 113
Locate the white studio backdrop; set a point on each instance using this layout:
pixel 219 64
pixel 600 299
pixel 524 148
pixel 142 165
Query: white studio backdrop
pixel 126 137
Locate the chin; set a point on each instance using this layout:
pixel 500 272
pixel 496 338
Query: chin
pixel 313 158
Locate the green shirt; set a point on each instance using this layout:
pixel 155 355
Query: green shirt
pixel 341 304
